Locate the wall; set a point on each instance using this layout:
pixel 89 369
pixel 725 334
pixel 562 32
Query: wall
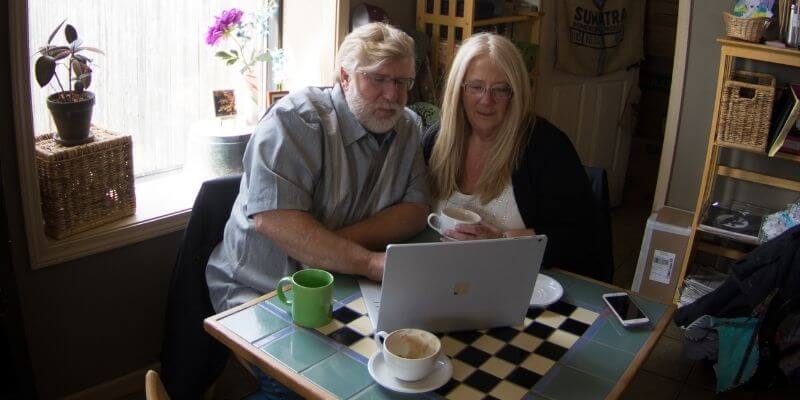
pixel 698 102
pixel 89 320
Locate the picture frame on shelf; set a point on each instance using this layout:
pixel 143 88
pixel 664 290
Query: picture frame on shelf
pixel 224 103
pixel 274 95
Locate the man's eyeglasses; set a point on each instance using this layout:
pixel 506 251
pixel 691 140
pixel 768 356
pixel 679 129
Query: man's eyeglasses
pixel 499 92
pixel 379 80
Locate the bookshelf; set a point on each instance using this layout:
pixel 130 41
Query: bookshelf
pixel 730 51
pixel 448 21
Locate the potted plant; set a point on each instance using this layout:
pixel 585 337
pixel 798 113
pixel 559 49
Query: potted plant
pixel 71 107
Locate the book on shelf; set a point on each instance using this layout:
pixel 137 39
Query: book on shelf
pixel 792 143
pixel 784 116
pixel 741 221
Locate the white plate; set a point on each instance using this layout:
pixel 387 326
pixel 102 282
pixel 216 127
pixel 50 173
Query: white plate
pixel 380 372
pixel 547 291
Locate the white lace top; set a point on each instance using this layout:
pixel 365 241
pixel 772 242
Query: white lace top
pixel 501 213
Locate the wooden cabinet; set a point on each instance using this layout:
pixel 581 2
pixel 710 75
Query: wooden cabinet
pixel 715 164
pixel 447 22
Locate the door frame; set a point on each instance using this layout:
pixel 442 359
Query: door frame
pixel 675 104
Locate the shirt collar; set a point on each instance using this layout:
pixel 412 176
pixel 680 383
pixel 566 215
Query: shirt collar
pixel 352 130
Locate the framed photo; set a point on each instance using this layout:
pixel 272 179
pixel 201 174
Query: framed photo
pixel 224 103
pixel 274 95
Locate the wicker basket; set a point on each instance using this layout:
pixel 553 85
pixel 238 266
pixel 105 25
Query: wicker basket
pixel 745 110
pixel 85 186
pixel 749 29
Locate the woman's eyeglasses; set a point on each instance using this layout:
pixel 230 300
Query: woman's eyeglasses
pixel 378 80
pixel 499 92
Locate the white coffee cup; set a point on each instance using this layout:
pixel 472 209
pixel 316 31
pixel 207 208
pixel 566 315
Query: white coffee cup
pixel 410 354
pixel 450 217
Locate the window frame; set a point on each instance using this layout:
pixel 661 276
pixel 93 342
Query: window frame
pixel 44 251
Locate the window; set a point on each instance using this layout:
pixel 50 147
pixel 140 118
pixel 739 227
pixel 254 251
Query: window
pixel 154 83
pixel 157 75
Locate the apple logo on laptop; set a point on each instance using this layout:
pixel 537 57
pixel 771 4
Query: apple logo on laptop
pixel 461 288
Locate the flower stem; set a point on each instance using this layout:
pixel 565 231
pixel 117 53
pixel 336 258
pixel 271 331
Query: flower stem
pixel 241 52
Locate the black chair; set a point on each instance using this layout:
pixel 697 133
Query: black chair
pixel 603 250
pixel 191 360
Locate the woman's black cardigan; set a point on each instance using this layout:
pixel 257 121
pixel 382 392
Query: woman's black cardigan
pixel 554 198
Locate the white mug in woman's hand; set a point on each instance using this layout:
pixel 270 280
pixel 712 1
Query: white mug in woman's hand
pixel 450 217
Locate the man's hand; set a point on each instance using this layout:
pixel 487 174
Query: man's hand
pixel 377 262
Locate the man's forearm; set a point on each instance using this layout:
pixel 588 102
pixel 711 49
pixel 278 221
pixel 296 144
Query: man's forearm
pixel 303 238
pixel 391 225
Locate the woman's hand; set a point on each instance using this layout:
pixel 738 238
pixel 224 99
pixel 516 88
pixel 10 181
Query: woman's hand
pixel 474 231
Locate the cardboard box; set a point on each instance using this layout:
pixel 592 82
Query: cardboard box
pixel 662 253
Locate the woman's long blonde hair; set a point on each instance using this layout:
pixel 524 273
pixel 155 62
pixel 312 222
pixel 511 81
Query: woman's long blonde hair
pixel 448 152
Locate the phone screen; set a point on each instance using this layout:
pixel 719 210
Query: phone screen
pixel 625 307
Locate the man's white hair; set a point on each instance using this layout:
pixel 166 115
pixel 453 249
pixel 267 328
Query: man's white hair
pixel 369 46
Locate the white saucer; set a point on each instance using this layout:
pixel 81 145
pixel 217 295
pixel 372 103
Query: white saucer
pixel 546 292
pixel 380 372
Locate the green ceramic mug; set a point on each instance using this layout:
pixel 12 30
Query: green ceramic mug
pixel 312 297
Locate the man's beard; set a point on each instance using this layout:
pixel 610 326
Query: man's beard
pixel 364 111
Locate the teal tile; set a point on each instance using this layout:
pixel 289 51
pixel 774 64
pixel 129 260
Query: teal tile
pixel 274 300
pixel 600 360
pixel 568 383
pixel 613 334
pixel 587 294
pixel 299 349
pixel 253 323
pixel 340 375
pixel 376 392
pixel 344 286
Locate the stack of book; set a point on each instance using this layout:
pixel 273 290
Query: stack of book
pixel 784 137
pixel 700 283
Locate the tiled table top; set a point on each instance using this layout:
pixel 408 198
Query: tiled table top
pixel 598 366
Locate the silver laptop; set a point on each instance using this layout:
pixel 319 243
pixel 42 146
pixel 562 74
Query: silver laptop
pixel 455 286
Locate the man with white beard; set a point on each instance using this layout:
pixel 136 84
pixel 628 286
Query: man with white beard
pixel 331 176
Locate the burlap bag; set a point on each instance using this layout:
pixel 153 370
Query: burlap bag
pixel 598 37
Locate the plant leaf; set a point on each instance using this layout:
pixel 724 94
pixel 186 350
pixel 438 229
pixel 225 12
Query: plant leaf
pixel 79 67
pixel 52 51
pixel 86 79
pixel 92 49
pixel 70 33
pixel 45 69
pixel 79 86
pixel 61 55
pixel 264 57
pixel 52 35
pixel 82 58
pixel 75 45
pixel 231 61
pixel 223 55
pixel 234 52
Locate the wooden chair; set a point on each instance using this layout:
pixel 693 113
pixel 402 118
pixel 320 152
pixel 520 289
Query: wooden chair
pixel 153 388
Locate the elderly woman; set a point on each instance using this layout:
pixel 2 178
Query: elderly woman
pixel 491 155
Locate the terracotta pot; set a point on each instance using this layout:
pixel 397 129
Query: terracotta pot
pixel 72 119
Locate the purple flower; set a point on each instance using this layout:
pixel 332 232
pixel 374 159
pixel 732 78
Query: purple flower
pixel 223 25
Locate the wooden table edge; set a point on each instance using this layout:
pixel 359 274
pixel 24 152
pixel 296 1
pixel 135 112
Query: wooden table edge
pixel 641 356
pixel 269 365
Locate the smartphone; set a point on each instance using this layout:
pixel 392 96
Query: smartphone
pixel 627 312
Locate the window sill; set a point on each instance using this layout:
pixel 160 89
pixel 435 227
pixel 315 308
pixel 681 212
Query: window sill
pixel 163 206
